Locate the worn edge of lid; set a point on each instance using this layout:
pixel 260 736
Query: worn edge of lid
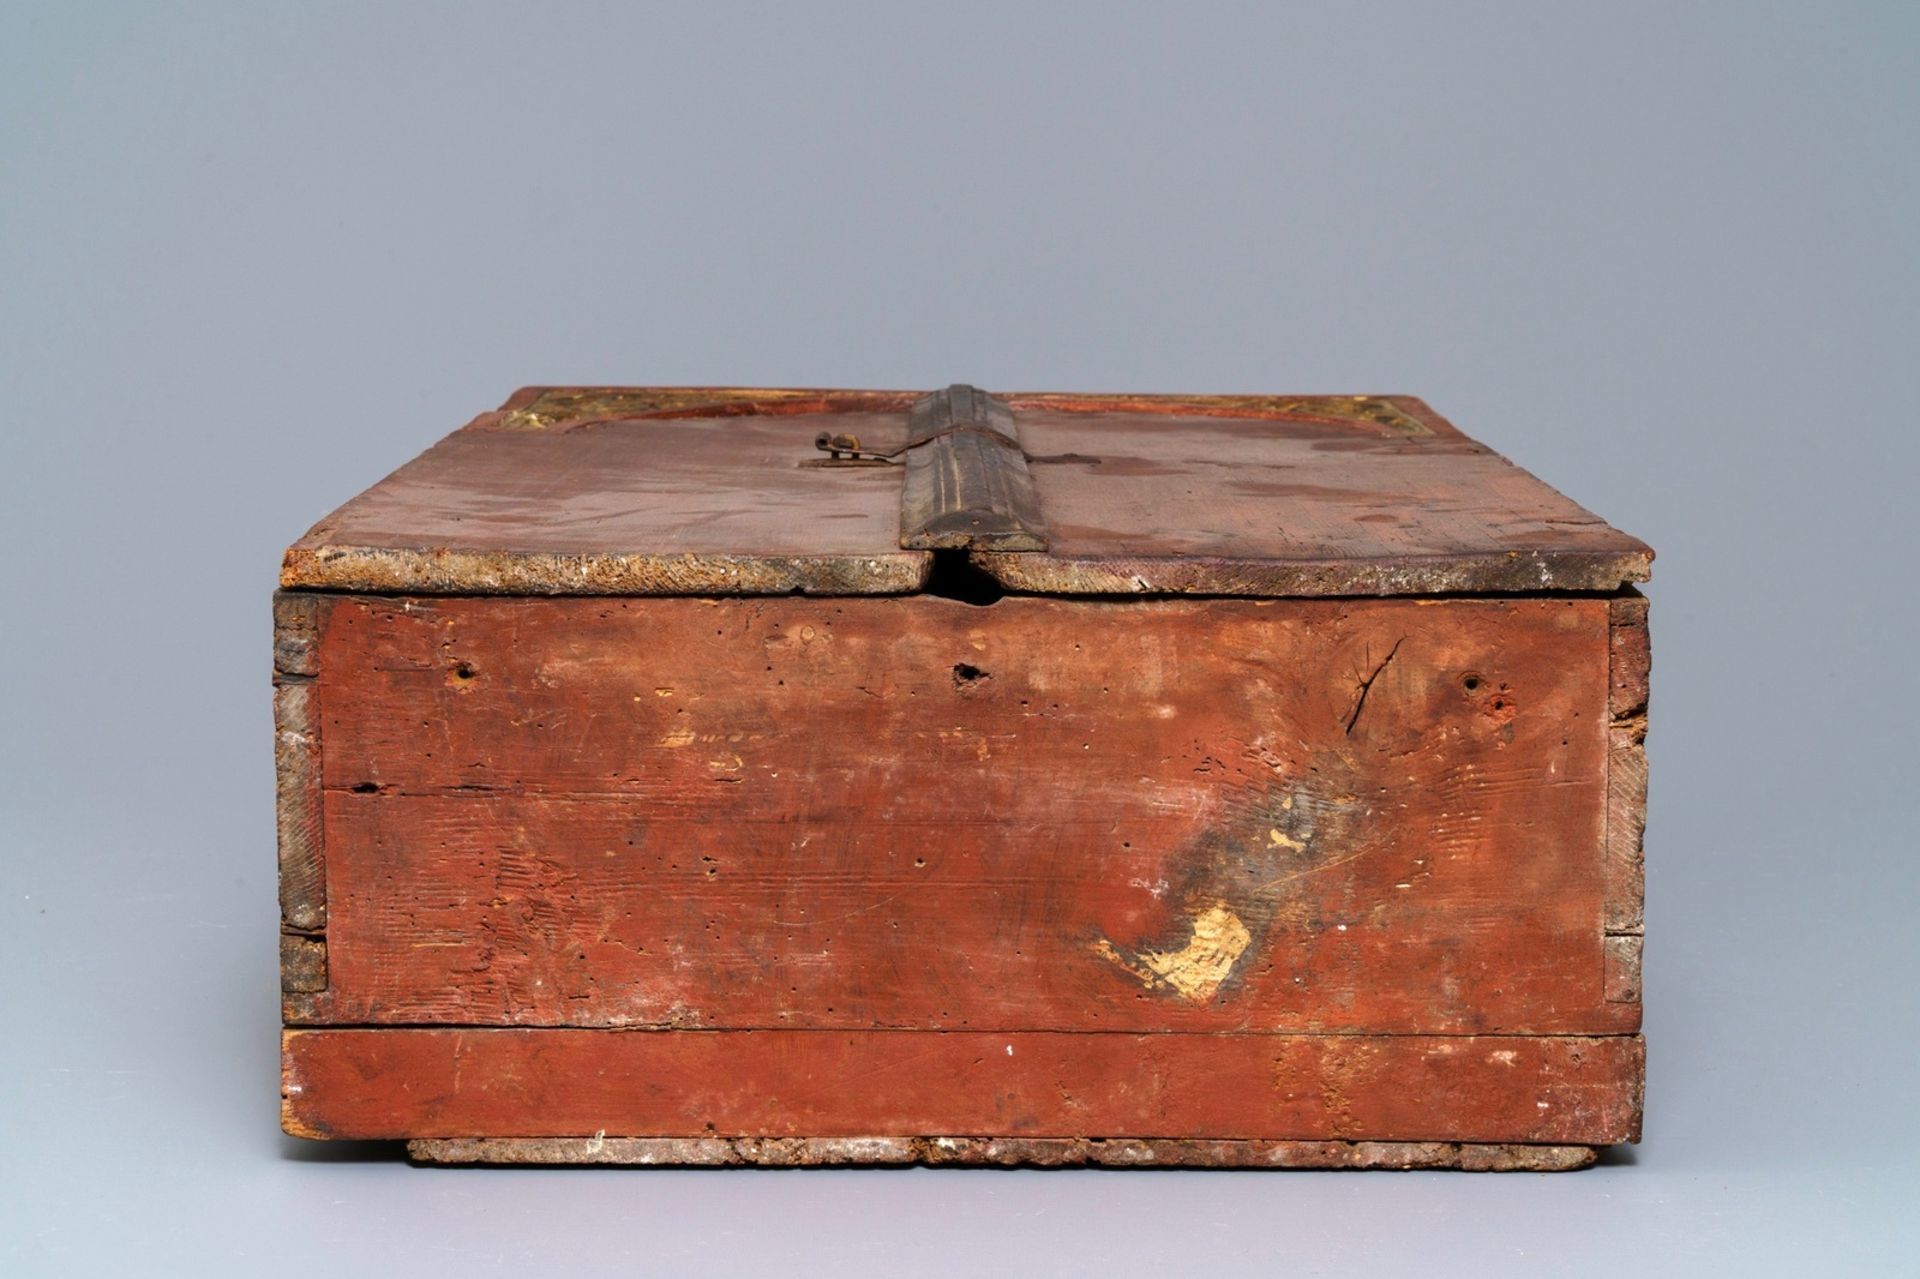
pixel 576 406
pixel 1508 573
pixel 446 571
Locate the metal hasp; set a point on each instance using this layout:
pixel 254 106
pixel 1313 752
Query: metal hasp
pixel 967 484
pixel 846 450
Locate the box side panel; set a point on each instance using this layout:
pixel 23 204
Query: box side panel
pixel 545 1083
pixel 1383 816
pixel 1630 663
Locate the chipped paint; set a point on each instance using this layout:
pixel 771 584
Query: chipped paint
pixel 1233 883
pixel 561 408
pixel 1157 887
pixel 1378 412
pixel 1464 573
pixel 1197 970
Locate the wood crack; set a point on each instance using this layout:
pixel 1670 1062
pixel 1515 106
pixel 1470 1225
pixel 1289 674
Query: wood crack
pixel 1366 685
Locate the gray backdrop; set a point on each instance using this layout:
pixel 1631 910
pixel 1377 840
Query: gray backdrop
pixel 253 256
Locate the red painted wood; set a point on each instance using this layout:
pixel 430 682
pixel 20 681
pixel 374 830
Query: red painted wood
pixel 677 491
pixel 1371 815
pixel 1236 501
pixel 539 1083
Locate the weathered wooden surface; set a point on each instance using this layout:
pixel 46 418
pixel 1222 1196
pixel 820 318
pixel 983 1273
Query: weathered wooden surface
pixel 1277 881
pixel 560 408
pixel 1235 815
pixel 303 902
pixel 1140 502
pixel 1630 658
pixel 639 507
pixel 998 1152
pixel 1401 415
pixel 533 1083
pixel 297 796
pixel 611 491
pixel 563 408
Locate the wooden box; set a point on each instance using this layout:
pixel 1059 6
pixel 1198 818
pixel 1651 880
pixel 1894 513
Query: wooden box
pixel 792 777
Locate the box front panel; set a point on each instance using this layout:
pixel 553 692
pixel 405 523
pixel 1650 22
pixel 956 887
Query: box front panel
pixel 1381 817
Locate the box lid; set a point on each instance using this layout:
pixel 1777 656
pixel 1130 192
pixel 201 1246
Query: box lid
pixel 693 491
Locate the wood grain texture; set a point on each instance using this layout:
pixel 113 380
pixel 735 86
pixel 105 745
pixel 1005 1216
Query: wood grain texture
pixel 1623 968
pixel 298 816
pixel 303 963
pixel 296 628
pixel 534 1083
pixel 1223 815
pixel 297 623
pixel 1149 503
pixel 643 507
pixel 565 408
pixel 560 408
pixel 1630 659
pixel 998 1152
pixel 1402 415
pixel 619 491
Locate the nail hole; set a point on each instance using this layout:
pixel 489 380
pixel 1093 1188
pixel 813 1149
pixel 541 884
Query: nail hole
pixel 965 674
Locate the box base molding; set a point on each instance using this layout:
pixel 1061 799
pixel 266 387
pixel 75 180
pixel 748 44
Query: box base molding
pixel 998 1152
pixel 453 1083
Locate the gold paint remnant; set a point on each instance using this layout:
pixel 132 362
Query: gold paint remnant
pixel 566 406
pixel 1361 410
